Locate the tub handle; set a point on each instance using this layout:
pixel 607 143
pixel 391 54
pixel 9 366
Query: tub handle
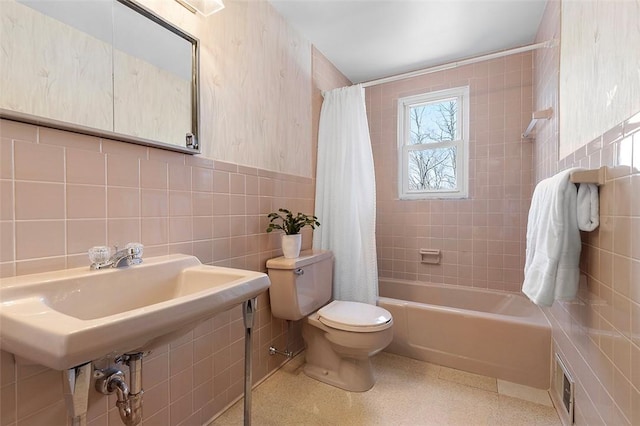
pixel 299 271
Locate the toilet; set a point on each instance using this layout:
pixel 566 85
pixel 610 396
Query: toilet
pixel 340 336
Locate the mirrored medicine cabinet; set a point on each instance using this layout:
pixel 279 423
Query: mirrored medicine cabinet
pixel 109 68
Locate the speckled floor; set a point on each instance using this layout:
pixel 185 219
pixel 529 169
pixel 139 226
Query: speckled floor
pixel 407 392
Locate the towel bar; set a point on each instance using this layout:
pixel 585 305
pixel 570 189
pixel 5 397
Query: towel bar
pixel 595 176
pixel 545 114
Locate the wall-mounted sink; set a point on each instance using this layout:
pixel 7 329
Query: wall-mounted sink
pixel 62 319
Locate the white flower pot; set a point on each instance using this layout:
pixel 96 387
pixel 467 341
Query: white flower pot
pixel 291 245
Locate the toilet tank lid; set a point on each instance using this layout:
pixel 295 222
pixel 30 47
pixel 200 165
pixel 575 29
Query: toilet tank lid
pixel 306 257
pixel 355 316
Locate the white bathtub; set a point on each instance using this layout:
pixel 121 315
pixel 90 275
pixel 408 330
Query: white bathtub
pixel 492 333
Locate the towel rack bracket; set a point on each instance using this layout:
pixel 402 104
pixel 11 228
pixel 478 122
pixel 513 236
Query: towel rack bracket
pixel 544 114
pixel 595 176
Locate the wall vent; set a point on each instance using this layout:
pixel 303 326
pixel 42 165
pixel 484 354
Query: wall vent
pixel 563 391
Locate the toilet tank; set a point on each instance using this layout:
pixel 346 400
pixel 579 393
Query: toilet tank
pixel 300 286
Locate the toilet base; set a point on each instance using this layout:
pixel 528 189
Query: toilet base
pixel 339 358
pixel 350 376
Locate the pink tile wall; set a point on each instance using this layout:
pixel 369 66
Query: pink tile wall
pixel 62 193
pixel 598 339
pixel 482 238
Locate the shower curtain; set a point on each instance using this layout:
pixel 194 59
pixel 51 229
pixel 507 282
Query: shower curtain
pixel 346 195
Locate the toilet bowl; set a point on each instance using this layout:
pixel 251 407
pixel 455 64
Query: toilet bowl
pixel 340 336
pixel 338 352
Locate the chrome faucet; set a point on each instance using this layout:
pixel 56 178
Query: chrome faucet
pixel 101 256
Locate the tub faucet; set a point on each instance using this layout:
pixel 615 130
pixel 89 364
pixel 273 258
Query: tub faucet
pixel 101 256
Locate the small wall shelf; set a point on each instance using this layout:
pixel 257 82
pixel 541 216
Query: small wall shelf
pixel 595 176
pixel 545 114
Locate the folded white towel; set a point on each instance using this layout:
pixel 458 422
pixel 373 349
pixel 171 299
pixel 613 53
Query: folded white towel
pixel 588 215
pixel 551 269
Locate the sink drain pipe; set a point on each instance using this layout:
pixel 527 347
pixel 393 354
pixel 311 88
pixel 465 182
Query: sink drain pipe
pixel 248 311
pixel 129 397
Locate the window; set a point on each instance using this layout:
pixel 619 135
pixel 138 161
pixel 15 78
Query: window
pixel 433 144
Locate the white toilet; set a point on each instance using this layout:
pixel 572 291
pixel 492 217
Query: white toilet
pixel 340 336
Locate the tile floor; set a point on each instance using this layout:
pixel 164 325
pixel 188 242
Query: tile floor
pixel 407 392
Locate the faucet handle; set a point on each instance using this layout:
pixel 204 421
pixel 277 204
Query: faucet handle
pixel 99 254
pixel 135 249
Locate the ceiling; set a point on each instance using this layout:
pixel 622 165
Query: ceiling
pixel 371 39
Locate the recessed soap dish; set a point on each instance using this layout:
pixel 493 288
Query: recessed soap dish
pixel 430 256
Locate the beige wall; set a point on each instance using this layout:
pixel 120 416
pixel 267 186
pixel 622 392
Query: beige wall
pixel 599 337
pixel 599 69
pixel 482 238
pixel 325 77
pixel 256 98
pixel 61 193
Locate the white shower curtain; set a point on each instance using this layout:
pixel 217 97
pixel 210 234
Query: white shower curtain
pixel 346 195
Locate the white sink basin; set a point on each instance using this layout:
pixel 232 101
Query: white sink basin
pixel 62 319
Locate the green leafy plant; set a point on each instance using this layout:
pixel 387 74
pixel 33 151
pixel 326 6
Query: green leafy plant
pixel 289 223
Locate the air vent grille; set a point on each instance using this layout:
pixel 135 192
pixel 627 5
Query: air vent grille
pixel 563 388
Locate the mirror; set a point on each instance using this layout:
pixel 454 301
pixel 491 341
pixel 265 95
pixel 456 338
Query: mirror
pixel 109 68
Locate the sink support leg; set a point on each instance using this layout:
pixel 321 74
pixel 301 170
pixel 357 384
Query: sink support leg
pixel 248 311
pixel 76 392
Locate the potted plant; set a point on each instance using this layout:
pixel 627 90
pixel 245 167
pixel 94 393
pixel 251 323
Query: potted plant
pixel 291 225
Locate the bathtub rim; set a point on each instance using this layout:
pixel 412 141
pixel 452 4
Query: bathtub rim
pixel 538 318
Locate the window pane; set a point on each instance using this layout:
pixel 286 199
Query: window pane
pixel 433 122
pixel 433 169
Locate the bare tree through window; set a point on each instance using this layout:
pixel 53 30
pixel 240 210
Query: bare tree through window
pixel 433 168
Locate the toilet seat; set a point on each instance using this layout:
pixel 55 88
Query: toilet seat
pixel 355 316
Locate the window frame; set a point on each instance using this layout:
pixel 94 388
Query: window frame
pixel 462 144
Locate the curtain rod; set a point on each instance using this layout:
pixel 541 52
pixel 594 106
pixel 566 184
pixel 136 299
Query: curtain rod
pixel 451 65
